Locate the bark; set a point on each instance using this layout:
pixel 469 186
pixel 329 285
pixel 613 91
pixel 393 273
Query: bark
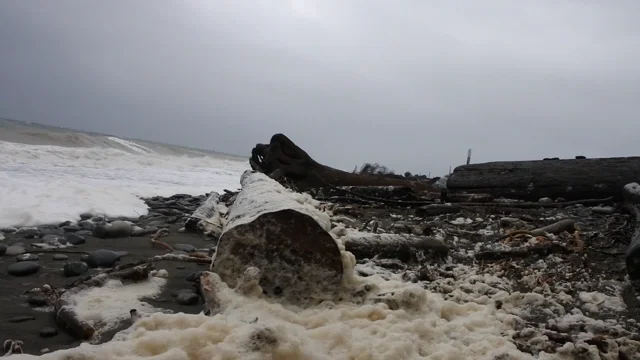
pixel 572 179
pixel 283 235
pixel 631 193
pixel 283 160
pixel 68 319
pixel 393 246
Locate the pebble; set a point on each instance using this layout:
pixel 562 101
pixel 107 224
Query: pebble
pixel 22 318
pixel 75 268
pixel 75 239
pixel 100 231
pixel 545 200
pixel 50 238
pixel 194 276
pixel 46 332
pixel 86 225
pixel 29 233
pixel 60 257
pixel 27 257
pixel 120 228
pixel 15 250
pixel 102 258
pixel 49 231
pixel 146 231
pixel 8 230
pixel 83 233
pixel 23 268
pixel 86 216
pixel 187 298
pixel 185 247
pixel 3 249
pixel 71 228
pixel 37 300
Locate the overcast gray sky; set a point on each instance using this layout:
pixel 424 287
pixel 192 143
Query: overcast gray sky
pixel 411 83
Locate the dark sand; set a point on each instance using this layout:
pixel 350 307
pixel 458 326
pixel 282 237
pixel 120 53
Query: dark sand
pixel 12 304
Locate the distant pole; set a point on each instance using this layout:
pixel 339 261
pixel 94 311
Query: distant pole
pixel 468 156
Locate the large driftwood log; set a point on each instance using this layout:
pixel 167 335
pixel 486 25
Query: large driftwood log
pixel 573 179
pixel 395 246
pixel 281 159
pixel 278 232
pixel 631 194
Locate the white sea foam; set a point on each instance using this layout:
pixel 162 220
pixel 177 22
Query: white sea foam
pixel 47 184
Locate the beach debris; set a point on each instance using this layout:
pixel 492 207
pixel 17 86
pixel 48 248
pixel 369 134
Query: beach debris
pixel 404 247
pixel 68 319
pixel 631 194
pixel 12 347
pixel 208 217
pixel 284 235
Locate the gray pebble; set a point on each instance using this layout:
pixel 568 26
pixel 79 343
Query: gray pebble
pixel 29 233
pixel 50 238
pixel 15 250
pixel 71 228
pixel 75 268
pixel 185 247
pixel 47 332
pixel 22 318
pixel 49 231
pixel 27 257
pixel 23 268
pixel 86 225
pixel 3 249
pixel 75 239
pixel 102 258
pixel 187 298
pixel 60 257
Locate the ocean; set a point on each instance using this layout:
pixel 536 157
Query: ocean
pixel 50 175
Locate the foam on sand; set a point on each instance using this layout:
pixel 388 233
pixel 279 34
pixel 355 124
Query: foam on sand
pixel 42 184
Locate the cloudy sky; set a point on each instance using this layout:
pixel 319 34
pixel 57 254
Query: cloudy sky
pixel 411 84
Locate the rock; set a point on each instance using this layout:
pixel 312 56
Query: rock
pixel 75 239
pixel 161 224
pixel 65 223
pixel 146 231
pixel 194 276
pixel 37 301
pixel 22 318
pixel 60 257
pixel 50 238
pixel 187 298
pixel 75 268
pixel 23 268
pixel 84 258
pixel 47 332
pixel 97 219
pixel 29 232
pixel 84 232
pixel 8 230
pixel 71 228
pixel 100 231
pixel 15 250
pixel 27 257
pixel 117 229
pixel 545 200
pixel 188 248
pixel 102 258
pixel 44 231
pixel 3 249
pixel 86 216
pixel 86 225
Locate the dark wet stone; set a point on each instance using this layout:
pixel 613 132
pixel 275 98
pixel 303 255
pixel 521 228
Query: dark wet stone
pixel 75 239
pixel 102 258
pixel 29 233
pixel 22 318
pixel 50 238
pixel 23 268
pixel 8 230
pixel 71 228
pixel 47 332
pixel 37 300
pixel 119 228
pixel 121 253
pixel 100 231
pixel 75 268
pixel 3 249
pixel 86 216
pixel 27 257
pixel 83 233
pixel 60 257
pixel 15 250
pixel 84 258
pixel 65 223
pixel 85 225
pixel 185 247
pixel 194 276
pixel 187 298
pixel 49 231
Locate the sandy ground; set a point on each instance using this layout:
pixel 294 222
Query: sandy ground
pixel 12 304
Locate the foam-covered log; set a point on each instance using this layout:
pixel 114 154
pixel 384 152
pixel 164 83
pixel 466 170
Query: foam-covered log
pixel 282 234
pixel 392 246
pixel 207 217
pixel 631 193
pixel 282 159
pixel 68 319
pixel 573 179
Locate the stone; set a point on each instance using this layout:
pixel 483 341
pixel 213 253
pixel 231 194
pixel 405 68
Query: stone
pixel 50 238
pixel 83 232
pixel 21 318
pixel 146 231
pixel 187 298
pixel 23 268
pixel 86 225
pixel 27 257
pixel 119 228
pixel 71 228
pixel 37 301
pixel 100 231
pixel 102 258
pixel 188 248
pixel 48 331
pixel 44 231
pixel 8 230
pixel 194 276
pixel 15 250
pixel 84 258
pixel 65 223
pixel 3 249
pixel 545 200
pixel 75 268
pixel 75 239
pixel 29 232
pixel 86 216
pixel 60 257
pixel 97 219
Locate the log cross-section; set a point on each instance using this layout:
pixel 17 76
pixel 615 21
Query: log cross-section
pixel 277 231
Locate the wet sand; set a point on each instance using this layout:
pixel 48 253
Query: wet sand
pixel 13 303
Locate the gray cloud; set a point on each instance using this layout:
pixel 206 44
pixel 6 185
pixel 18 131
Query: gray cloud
pixel 410 84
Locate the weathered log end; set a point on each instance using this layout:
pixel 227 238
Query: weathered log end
pixel 68 319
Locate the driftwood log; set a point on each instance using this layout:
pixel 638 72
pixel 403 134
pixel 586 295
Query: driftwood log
pixel 631 193
pixel 277 231
pixel 283 160
pixel 393 246
pixel 69 320
pixel 573 179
